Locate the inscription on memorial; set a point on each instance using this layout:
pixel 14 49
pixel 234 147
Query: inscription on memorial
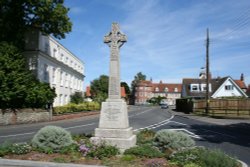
pixel 112 112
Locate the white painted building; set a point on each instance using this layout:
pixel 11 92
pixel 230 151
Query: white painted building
pixel 53 63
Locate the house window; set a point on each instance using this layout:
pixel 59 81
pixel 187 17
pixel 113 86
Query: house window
pixel 45 72
pixel 62 56
pixel 32 64
pixel 66 60
pixel 66 80
pixel 166 89
pixel 175 89
pixel 157 89
pixel 61 78
pixel 228 87
pixel 54 76
pixel 194 88
pixel 46 47
pixel 54 53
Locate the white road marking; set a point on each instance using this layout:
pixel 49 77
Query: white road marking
pixel 141 113
pixel 78 126
pixel 178 123
pixel 29 133
pixel 156 125
pixel 191 134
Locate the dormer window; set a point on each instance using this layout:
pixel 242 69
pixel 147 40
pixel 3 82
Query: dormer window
pixel 157 89
pixel 166 89
pixel 194 87
pixel 229 87
pixel 175 89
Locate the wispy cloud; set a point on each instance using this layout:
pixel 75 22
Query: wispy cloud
pixel 166 39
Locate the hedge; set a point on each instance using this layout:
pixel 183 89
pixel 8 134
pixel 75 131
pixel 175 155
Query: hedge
pixel 71 107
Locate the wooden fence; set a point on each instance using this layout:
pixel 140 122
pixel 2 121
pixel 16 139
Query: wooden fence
pixel 224 106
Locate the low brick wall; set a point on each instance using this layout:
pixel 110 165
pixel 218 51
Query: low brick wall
pixel 22 116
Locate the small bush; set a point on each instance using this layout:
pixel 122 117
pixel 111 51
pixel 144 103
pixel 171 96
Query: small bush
pixel 128 158
pixel 22 148
pixel 217 158
pixel 144 151
pixel 145 137
pixel 192 165
pixel 202 157
pixel 5 148
pixel 165 139
pixel 102 151
pixel 51 138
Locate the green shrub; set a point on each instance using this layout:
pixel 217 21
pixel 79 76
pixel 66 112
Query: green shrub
pixel 5 148
pixel 216 158
pixel 203 157
pixel 165 139
pixel 101 151
pixel 71 107
pixel 22 148
pixel 128 158
pixel 192 165
pixel 76 98
pixel 51 138
pixel 144 151
pixel 145 137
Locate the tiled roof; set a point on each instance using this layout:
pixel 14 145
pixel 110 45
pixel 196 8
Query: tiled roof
pixel 161 86
pixel 241 84
pixel 170 86
pixel 215 84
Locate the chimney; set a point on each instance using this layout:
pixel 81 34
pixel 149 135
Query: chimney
pixel 242 77
pixel 160 81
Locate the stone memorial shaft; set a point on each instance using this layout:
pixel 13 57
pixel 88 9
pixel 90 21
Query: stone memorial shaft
pixel 113 124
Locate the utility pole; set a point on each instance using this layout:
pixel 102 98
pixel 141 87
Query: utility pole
pixel 207 72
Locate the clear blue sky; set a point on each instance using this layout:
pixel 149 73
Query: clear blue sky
pixel 166 38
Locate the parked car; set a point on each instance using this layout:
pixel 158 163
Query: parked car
pixel 164 106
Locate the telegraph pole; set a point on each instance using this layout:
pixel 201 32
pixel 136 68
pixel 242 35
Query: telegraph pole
pixel 207 72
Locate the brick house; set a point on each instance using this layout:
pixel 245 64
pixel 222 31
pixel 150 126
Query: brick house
pixel 145 90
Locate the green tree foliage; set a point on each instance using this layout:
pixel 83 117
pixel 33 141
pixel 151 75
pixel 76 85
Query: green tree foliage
pixel 125 85
pixel 156 100
pixel 76 98
pixel 138 77
pixel 18 87
pixel 99 88
pixel 48 16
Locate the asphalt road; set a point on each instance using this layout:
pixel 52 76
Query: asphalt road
pixel 234 139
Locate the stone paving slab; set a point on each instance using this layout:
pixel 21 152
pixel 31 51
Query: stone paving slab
pixel 25 163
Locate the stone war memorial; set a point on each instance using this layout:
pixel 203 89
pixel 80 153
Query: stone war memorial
pixel 113 124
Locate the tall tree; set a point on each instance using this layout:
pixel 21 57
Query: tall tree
pixel 137 78
pixel 18 16
pixel 99 88
pixel 18 87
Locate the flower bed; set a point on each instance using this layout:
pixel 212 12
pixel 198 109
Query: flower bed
pixel 152 150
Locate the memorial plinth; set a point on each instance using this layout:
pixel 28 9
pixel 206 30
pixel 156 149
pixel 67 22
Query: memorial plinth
pixel 113 124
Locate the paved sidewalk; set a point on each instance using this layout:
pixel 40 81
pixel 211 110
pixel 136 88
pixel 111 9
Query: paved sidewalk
pixel 25 163
pixel 211 120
